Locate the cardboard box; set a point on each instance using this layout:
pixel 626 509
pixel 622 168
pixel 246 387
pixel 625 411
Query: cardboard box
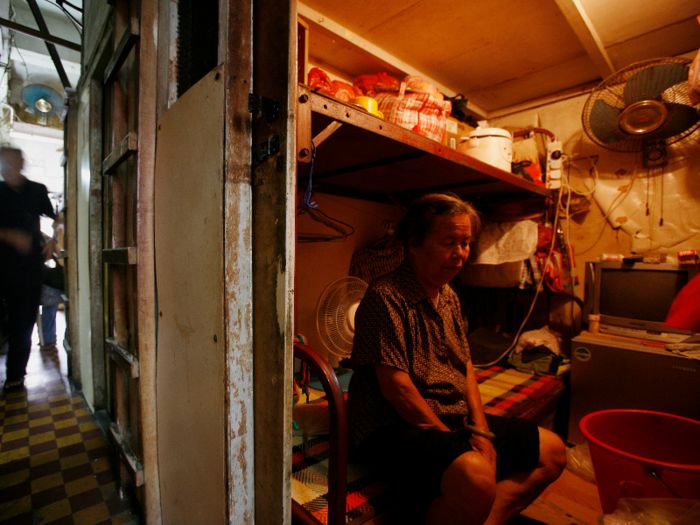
pixel 455 130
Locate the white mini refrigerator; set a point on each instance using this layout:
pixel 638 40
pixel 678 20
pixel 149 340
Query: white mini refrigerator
pixel 614 372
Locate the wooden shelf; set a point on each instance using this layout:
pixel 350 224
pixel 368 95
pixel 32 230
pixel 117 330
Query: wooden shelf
pixel 369 158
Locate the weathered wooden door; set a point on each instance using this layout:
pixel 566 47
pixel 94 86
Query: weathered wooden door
pixel 123 112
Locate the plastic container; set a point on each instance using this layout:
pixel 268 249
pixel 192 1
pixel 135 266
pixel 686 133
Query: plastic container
pixel 491 145
pixel 643 454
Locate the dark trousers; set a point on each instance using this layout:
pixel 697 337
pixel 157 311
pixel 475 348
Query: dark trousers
pixel 20 288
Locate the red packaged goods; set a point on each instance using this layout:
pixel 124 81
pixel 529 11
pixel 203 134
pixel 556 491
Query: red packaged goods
pixel 343 91
pixel 420 112
pixel 370 85
pixel 320 80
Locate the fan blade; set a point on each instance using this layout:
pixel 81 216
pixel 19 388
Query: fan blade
pixel 680 118
pixel 649 83
pixel 604 122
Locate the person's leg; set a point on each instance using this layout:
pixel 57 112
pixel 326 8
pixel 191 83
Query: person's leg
pixel 48 324
pixel 467 492
pixel 22 298
pixel 518 490
pixel 529 457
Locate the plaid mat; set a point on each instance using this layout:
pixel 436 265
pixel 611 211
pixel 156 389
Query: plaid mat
pixel 504 391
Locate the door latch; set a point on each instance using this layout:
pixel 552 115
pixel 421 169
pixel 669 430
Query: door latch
pixel 265 150
pixel 259 105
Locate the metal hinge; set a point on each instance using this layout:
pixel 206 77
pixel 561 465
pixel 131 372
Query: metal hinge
pixel 259 105
pixel 265 150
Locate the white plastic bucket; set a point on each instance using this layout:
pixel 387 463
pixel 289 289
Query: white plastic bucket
pixel 491 145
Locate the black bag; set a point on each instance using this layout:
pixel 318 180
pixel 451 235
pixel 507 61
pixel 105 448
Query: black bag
pixel 54 277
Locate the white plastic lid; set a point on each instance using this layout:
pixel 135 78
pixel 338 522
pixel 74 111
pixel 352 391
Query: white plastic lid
pixel 489 132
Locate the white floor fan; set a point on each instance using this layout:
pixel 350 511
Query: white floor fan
pixel 335 314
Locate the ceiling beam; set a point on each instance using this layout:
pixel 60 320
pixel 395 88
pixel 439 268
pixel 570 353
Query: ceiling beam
pixel 577 18
pixel 38 34
pixel 49 46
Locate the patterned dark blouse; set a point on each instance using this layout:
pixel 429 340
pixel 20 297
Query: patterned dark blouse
pixel 397 325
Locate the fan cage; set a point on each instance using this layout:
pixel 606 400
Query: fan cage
pixel 332 314
pixel 611 92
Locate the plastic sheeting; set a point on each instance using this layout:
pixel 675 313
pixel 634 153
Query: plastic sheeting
pixel 670 194
pixel 504 242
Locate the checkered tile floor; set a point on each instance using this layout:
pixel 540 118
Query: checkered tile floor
pixel 55 462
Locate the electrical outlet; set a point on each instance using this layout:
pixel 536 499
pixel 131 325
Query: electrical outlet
pixel 554 164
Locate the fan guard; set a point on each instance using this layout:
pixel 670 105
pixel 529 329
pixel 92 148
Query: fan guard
pixel 643 104
pixel 335 314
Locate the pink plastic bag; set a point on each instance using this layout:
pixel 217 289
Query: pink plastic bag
pixel 420 112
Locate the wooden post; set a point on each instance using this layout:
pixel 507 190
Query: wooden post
pixel 235 50
pixel 274 77
pixel 145 270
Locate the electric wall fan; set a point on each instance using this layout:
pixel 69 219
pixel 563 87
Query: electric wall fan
pixel 643 107
pixel 335 314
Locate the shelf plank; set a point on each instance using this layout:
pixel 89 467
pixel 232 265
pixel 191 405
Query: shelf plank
pixel 376 159
pixel 129 459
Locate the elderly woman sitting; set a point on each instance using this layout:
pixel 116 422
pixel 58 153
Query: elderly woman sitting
pixel 413 405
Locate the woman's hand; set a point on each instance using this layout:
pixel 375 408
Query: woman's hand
pixel 484 447
pixel 49 249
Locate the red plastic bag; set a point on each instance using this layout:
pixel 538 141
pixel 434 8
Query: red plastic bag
pixel 370 85
pixel 343 91
pixel 319 79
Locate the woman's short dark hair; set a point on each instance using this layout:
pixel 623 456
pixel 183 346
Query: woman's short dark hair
pixel 420 217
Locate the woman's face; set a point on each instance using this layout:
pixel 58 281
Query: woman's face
pixel 444 251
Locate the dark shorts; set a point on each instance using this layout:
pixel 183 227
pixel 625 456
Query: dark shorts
pixel 417 458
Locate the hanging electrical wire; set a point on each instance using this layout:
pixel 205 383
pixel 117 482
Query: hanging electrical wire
pixel 311 209
pixel 76 23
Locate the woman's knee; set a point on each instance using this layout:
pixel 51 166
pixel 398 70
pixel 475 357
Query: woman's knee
pixel 469 483
pixel 552 453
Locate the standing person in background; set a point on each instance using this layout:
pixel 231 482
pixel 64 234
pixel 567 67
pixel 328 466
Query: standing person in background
pixel 52 290
pixel 22 256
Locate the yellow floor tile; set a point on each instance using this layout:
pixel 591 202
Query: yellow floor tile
pixel 80 485
pixel 109 491
pixel 82 412
pixel 84 427
pixel 74 460
pixel 39 408
pixel 17 434
pixel 69 440
pixel 42 438
pixel 98 442
pixel 123 519
pixel 11 455
pixel 47 482
pixel 15 406
pixel 56 387
pixel 60 410
pixel 16 419
pixel 52 512
pixel 15 507
pixel 10 480
pixel 40 421
pixel 44 457
pixel 65 423
pixel 100 465
pixel 91 515
pixel 59 397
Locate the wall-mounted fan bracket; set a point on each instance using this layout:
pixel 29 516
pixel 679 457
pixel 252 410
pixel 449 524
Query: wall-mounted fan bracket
pixel 654 154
